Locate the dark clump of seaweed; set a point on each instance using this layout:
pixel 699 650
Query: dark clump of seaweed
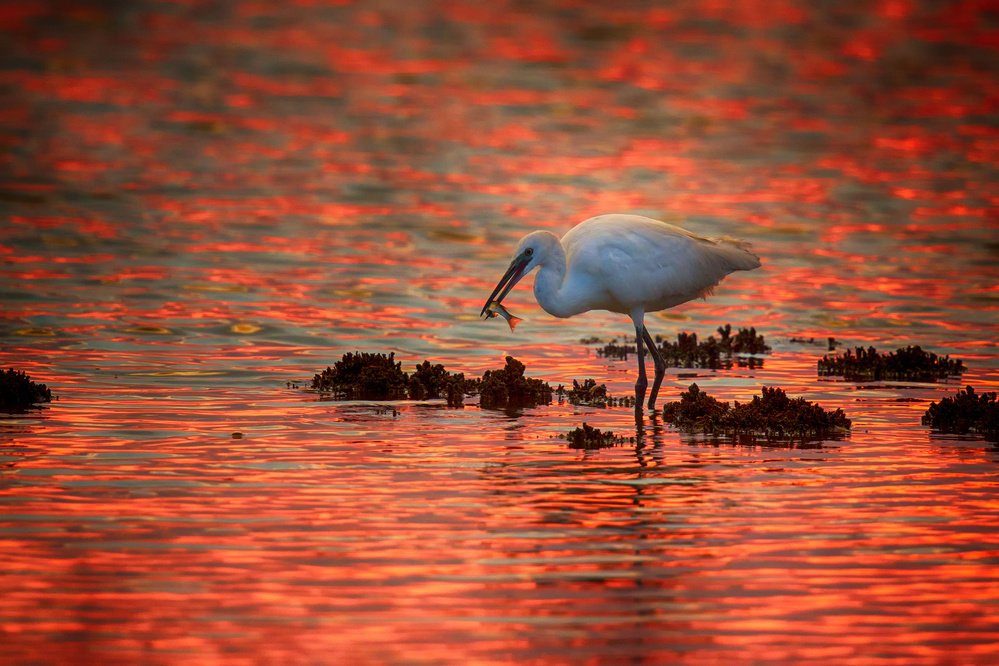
pixel 428 382
pixel 771 414
pixel 695 411
pixel 588 437
pixel 363 376
pixel 911 364
pixel 614 350
pixel 775 415
pixel 455 389
pixel 591 394
pixel 587 393
pixel 746 341
pixel 689 352
pixel 966 412
pixel 431 382
pixel 508 388
pixel 18 392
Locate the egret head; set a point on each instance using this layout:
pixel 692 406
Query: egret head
pixel 532 250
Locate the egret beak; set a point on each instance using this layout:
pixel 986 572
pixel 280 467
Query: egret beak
pixel 512 276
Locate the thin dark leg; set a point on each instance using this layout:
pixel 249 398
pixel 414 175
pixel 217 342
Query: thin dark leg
pixel 643 381
pixel 660 366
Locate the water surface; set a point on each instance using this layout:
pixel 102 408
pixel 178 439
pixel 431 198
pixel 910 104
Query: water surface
pixel 204 201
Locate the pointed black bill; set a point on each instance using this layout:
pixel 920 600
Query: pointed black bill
pixel 512 276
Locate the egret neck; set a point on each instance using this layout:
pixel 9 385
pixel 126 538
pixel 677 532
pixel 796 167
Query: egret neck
pixel 551 290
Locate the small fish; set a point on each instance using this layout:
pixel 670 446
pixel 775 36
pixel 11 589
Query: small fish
pixel 498 309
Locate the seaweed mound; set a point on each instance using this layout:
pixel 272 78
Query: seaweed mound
pixel 587 393
pixel 696 411
pixel 17 391
pixel 904 364
pixel 508 388
pixel 588 437
pixel 688 352
pixel 363 376
pixel 613 350
pixel 771 414
pixel 966 412
pixel 430 382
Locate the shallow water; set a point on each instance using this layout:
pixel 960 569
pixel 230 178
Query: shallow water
pixel 205 202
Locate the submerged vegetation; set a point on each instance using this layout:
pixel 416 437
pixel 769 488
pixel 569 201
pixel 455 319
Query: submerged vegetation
pixel 771 414
pixel 904 364
pixel 966 412
pixel 17 391
pixel 688 352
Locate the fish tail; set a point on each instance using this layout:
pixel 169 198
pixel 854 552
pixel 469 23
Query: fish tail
pixel 513 321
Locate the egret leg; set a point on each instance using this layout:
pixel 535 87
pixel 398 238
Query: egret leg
pixel 643 381
pixel 660 366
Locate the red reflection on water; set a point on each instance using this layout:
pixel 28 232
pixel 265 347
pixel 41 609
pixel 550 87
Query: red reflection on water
pixel 290 533
pixel 318 176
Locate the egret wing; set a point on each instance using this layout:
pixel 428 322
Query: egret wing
pixel 637 261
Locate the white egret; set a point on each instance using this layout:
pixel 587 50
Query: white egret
pixel 628 264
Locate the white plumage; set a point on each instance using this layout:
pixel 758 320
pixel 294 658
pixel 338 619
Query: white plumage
pixel 628 264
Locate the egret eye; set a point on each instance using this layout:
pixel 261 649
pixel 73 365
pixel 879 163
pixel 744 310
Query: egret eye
pixel 529 251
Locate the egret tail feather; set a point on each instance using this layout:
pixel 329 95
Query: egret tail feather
pixel 738 253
